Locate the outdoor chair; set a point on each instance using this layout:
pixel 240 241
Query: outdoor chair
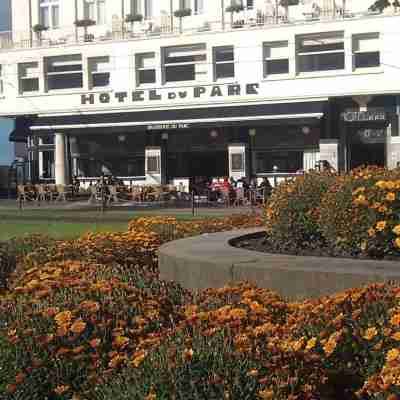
pixel 24 194
pixel 112 194
pixel 61 193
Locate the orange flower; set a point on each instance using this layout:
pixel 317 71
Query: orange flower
pixel 61 389
pixel 95 343
pixel 381 225
pixel 63 318
pixel 78 326
pixel 371 232
pixel 395 320
pixel 120 341
pixel 266 394
pixel 138 359
pixel 396 230
pixel 397 242
pixel 392 355
pixel 253 373
pixel 391 196
pixel 396 336
pixel 329 347
pixel 370 333
pixel 188 354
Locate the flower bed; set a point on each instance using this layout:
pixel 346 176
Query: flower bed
pixel 90 319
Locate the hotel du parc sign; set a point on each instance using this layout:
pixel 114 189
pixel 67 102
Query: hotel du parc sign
pixel 166 94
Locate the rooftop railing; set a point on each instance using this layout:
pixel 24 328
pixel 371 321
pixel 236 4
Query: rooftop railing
pixel 162 27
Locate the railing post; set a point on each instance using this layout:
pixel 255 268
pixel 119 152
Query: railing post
pixel 193 203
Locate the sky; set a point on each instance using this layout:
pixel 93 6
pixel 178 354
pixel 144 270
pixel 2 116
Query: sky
pixel 6 148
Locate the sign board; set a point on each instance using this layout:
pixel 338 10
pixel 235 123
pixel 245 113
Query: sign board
pixel 159 127
pixel 371 136
pixel 363 116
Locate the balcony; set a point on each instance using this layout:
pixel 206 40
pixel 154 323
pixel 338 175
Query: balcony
pixel 162 27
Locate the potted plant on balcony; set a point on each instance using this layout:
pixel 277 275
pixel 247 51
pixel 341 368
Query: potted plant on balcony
pixel 85 24
pixel 39 29
pixel 132 18
pixel 234 8
pixel 285 4
pixel 380 5
pixel 182 13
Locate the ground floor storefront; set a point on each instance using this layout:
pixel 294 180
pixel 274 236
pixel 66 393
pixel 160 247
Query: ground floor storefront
pixel 183 146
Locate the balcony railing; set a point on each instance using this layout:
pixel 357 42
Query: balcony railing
pixel 161 27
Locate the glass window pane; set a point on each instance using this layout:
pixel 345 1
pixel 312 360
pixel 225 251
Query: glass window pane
pixel 147 76
pixel 101 79
pixel 30 85
pixel 273 67
pixel 56 16
pixel 44 16
pixel 225 70
pixel 67 81
pixel 224 54
pixel 180 73
pixel 153 164
pixel 101 12
pixel 237 162
pixel 321 62
pixel 367 60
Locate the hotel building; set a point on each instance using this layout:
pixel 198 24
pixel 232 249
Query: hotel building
pixel 224 91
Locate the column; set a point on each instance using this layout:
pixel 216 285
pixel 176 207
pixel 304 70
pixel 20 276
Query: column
pixel 329 149
pixel 60 168
pixel 237 160
pixel 153 166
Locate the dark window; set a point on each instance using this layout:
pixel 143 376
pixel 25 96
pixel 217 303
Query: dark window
pixel 179 73
pixel 64 72
pixel 224 59
pixel 145 68
pixel 224 71
pixel 367 60
pixel 101 79
pixel 70 81
pixel 273 67
pixel 153 164
pixel 147 76
pixel 321 62
pixel 30 85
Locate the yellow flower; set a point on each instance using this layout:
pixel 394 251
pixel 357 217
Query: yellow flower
pixel 396 336
pixel 311 343
pixel 380 226
pixel 381 184
pixel 397 242
pixel 63 318
pixel 395 320
pixel 120 341
pixel 78 326
pixel 151 396
pixel 391 196
pixel 370 333
pixel 330 347
pixel 382 209
pixel 266 394
pixel 392 355
pixel 252 372
pixel 138 359
pixel 396 230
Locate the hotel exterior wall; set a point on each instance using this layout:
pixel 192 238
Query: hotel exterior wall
pixel 249 69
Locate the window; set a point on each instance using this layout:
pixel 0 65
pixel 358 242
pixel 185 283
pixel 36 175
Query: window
pixel 64 72
pixel 276 58
pixel 148 9
pixel 136 7
pixel 322 52
pixel 224 62
pixel 366 50
pixel 185 63
pixel 198 6
pixel 95 10
pixel 28 77
pixel 153 164
pixel 145 69
pixel 184 4
pixel 99 70
pixel 237 162
pixel 49 13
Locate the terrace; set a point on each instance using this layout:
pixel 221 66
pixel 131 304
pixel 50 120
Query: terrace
pixel 167 26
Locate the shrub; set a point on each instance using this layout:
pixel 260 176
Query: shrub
pixel 293 210
pixel 359 212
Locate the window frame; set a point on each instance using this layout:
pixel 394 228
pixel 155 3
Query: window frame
pixel 355 39
pixel 320 36
pixel 217 63
pixel 92 61
pixel 200 51
pixel 138 58
pixel 21 78
pixel 98 17
pixel 64 73
pixel 51 6
pixel 148 9
pixel 157 169
pixel 1 80
pixel 275 44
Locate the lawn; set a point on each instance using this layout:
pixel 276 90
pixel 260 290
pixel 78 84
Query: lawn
pixel 61 223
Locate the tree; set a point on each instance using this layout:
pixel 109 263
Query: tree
pixel 132 18
pixel 39 29
pixel 182 13
pixel 380 5
pixel 85 24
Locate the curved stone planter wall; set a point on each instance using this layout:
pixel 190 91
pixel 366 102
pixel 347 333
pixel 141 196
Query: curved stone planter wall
pixel 210 261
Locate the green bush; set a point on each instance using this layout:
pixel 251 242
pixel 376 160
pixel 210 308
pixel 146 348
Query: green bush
pixel 293 211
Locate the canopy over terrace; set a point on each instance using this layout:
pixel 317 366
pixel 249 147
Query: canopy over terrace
pixel 156 124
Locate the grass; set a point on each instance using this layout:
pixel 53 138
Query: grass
pixel 59 230
pixel 64 223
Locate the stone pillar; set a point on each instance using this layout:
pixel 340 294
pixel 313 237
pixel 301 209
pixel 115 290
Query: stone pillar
pixel 328 149
pixel 60 162
pixel 237 160
pixel 153 165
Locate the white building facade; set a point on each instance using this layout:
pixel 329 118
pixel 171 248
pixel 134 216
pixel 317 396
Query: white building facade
pixel 237 89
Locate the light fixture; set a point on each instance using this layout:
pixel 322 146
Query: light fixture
pixel 121 138
pixel 164 136
pixel 306 130
pixel 214 133
pixel 252 132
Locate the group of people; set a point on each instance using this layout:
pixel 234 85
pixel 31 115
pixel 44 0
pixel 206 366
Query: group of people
pixel 220 189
